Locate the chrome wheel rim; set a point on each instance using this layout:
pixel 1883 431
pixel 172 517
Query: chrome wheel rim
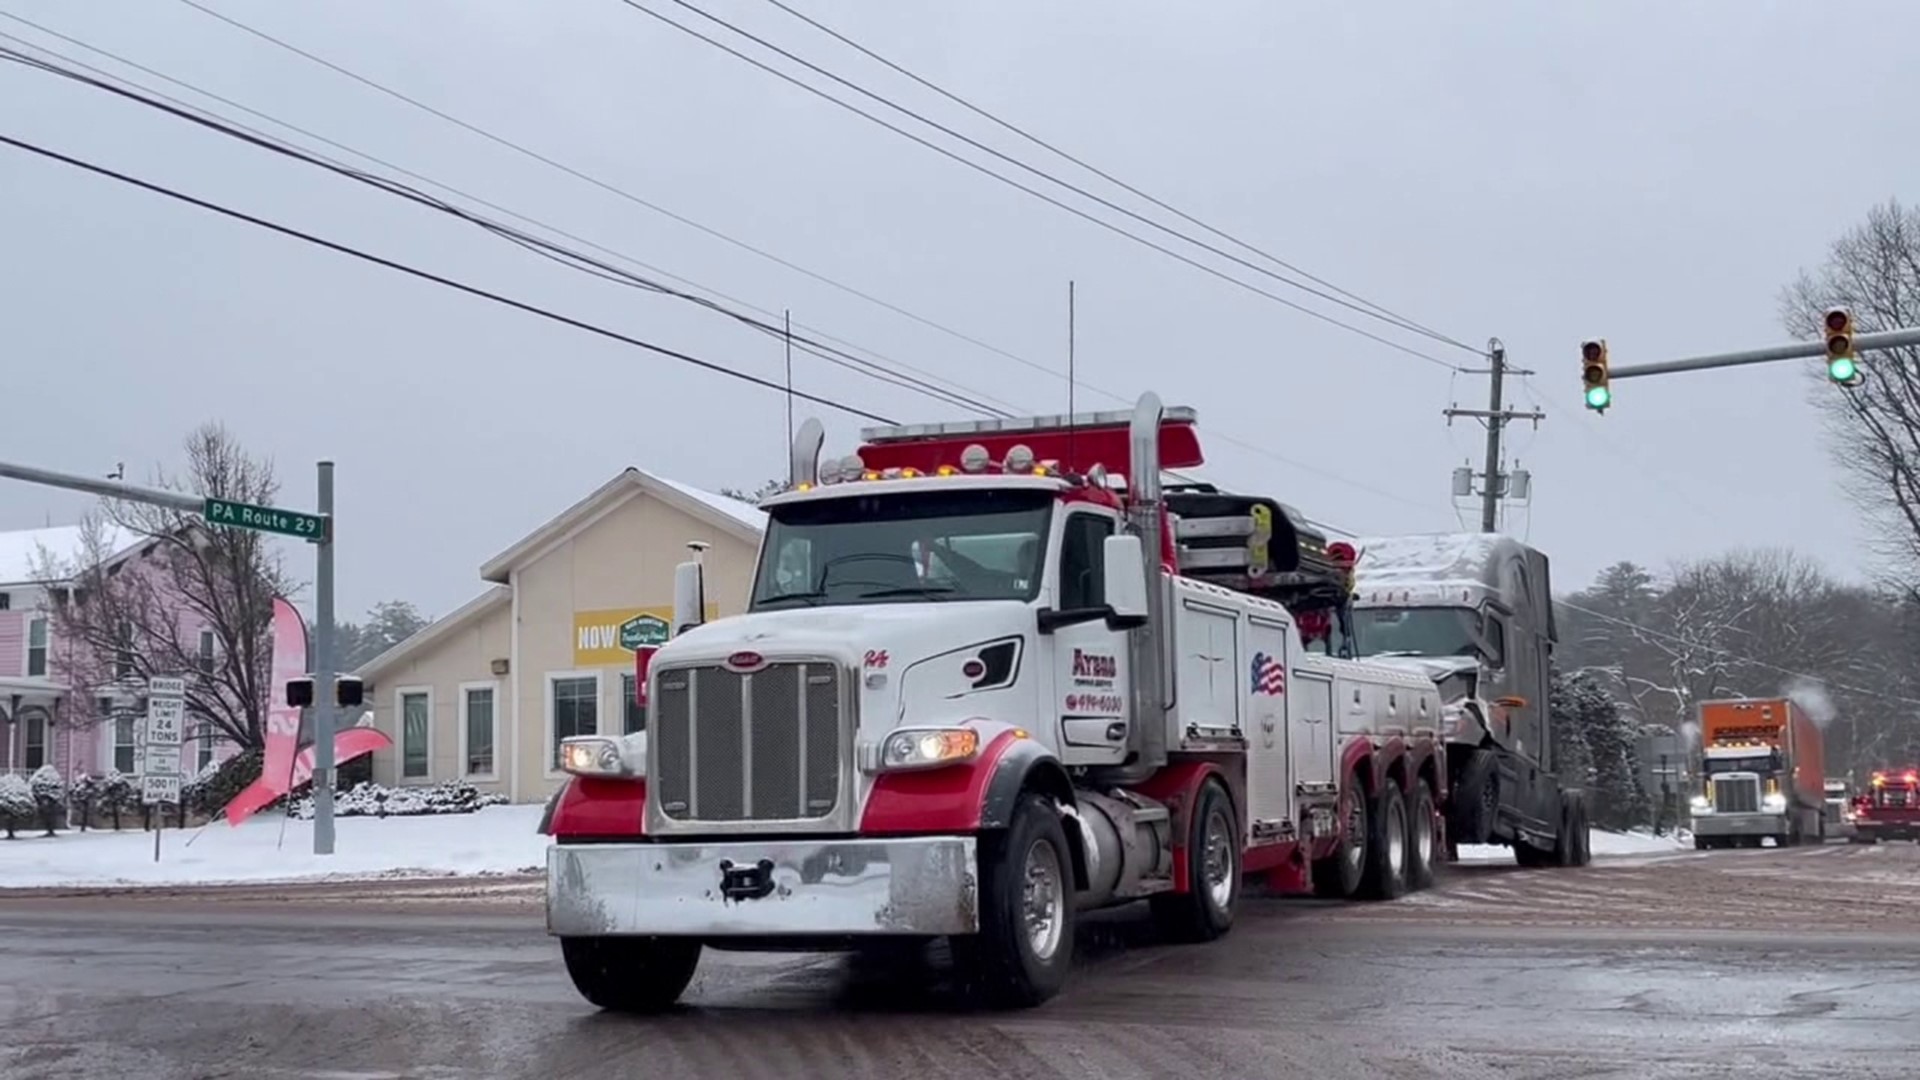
pixel 1043 900
pixel 1396 842
pixel 1219 865
pixel 1356 833
pixel 1423 837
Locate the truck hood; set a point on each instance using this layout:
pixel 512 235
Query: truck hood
pixel 1436 668
pixel 904 632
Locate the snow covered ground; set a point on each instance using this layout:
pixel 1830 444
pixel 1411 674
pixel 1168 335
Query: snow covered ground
pixel 494 840
pixel 1604 843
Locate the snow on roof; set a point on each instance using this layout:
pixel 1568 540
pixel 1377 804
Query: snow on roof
pixel 20 550
pixel 745 513
pixel 1425 558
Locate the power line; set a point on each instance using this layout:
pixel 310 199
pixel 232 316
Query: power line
pixel 1042 196
pixel 425 275
pixel 1044 144
pixel 1388 317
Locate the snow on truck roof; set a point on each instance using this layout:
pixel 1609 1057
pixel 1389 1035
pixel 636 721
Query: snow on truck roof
pixel 1426 558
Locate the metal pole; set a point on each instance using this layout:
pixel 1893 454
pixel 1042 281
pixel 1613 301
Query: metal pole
pixel 323 676
pixel 1888 339
pixel 173 500
pixel 1490 498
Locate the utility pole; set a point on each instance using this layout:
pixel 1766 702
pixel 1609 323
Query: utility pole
pixel 1495 483
pixel 323 663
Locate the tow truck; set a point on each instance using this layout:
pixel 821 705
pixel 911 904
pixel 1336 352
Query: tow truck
pixel 1889 809
pixel 993 674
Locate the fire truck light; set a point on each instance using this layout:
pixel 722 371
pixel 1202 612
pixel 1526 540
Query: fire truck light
pixel 946 470
pixel 1019 458
pixel 975 458
pixel 1913 778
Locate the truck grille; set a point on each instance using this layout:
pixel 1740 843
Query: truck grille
pixel 763 746
pixel 1736 795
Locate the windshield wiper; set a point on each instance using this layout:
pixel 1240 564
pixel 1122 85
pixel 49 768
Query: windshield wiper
pixel 812 597
pixel 906 590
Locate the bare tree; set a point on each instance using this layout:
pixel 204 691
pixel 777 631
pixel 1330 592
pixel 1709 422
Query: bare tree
pixel 126 619
pixel 1874 269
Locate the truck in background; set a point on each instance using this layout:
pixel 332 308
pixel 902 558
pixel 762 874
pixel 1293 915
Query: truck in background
pixel 1763 775
pixel 983 684
pixel 1840 808
pixel 1474 613
pixel 1889 809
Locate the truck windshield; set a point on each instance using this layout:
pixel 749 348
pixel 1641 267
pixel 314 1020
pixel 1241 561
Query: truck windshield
pixel 906 546
pixel 1433 631
pixel 1755 763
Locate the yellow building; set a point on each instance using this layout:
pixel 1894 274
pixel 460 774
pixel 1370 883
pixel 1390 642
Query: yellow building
pixel 486 693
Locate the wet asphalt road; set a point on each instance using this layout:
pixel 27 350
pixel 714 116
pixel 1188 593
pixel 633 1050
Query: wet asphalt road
pixel 1796 963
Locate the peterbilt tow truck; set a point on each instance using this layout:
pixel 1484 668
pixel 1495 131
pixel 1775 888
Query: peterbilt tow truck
pixel 987 680
pixel 1474 612
pixel 1889 809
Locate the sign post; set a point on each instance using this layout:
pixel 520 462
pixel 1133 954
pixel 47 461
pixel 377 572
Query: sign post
pixel 159 744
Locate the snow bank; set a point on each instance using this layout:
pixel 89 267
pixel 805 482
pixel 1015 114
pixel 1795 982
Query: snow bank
pixel 1604 844
pixel 497 839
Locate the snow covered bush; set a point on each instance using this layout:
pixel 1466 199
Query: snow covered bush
pixel 82 795
pixel 373 800
pixel 117 794
pixel 211 793
pixel 17 809
pixel 49 795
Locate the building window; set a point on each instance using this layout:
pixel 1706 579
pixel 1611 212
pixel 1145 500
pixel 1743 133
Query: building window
pixel 416 715
pixel 6 601
pixel 476 721
pixel 635 716
pixel 576 711
pixel 203 753
pixel 123 740
pixel 207 641
pixel 36 740
pixel 123 653
pixel 37 646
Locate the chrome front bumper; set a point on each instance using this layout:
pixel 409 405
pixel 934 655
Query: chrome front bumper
pixel 1739 824
pixel 745 888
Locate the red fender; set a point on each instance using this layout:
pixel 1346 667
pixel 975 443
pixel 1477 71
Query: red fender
pixel 946 800
pixel 1177 786
pixel 597 808
pixel 1357 750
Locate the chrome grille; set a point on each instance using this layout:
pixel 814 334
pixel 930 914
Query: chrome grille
pixel 1736 795
pixel 762 746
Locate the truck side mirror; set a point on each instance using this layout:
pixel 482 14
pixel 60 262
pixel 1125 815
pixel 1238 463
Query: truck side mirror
pixel 1125 582
pixel 689 597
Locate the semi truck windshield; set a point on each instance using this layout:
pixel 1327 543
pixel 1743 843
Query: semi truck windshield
pixel 1416 631
pixel 904 547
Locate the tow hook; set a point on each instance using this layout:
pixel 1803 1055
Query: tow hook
pixel 746 882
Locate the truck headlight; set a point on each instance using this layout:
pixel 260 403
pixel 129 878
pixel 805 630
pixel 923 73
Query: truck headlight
pixel 1773 803
pixel 1699 804
pixel 598 755
pixel 924 748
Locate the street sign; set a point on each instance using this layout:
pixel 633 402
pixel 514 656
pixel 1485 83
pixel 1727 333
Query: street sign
pixel 155 790
pixel 159 745
pixel 294 523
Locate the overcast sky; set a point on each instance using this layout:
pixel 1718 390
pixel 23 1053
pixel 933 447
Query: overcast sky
pixel 1647 171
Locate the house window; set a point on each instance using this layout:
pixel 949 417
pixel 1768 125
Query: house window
pixel 477 722
pixel 634 716
pixel 203 750
pixel 416 714
pixel 6 601
pixel 576 711
pixel 206 651
pixel 123 741
pixel 123 653
pixel 1083 559
pixel 36 737
pixel 37 646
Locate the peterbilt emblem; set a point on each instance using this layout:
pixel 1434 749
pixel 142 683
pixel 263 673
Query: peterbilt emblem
pixel 745 660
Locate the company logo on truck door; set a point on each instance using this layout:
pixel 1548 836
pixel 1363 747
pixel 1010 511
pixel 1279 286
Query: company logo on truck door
pixel 1094 667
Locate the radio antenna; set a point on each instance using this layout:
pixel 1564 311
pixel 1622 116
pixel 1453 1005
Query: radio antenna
pixel 1072 461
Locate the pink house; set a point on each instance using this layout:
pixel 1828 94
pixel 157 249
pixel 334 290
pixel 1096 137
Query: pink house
pixel 43 719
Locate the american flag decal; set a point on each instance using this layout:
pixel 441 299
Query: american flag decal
pixel 1269 675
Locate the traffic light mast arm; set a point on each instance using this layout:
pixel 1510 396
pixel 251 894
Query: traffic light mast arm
pixel 1799 350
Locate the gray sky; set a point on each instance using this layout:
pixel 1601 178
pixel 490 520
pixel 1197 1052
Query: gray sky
pixel 1647 171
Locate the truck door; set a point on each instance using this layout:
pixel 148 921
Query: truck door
pixel 1090 684
pixel 1267 687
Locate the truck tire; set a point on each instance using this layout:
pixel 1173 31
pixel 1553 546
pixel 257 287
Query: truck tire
pixel 1423 840
pixel 1338 876
pixel 1023 952
pixel 1206 910
pixel 1386 873
pixel 1475 803
pixel 1582 834
pixel 631 974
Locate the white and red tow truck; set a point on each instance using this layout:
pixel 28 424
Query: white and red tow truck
pixel 993 674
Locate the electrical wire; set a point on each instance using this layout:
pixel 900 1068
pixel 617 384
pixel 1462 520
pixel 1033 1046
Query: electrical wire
pixel 1042 196
pixel 1045 145
pixel 1388 317
pixel 438 279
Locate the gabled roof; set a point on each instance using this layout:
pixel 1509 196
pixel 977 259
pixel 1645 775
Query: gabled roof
pixel 729 515
pixel 435 631
pixel 20 549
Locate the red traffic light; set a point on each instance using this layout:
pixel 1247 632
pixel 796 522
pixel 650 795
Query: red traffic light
pixel 1837 320
pixel 1591 352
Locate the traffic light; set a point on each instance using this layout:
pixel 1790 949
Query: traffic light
pixel 1593 373
pixel 1842 366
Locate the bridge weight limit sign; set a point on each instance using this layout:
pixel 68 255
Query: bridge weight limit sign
pixel 160 740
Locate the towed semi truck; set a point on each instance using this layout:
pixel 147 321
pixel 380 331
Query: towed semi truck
pixel 993 674
pixel 1764 775
pixel 1474 612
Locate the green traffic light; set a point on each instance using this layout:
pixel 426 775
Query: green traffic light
pixel 1599 397
pixel 1841 369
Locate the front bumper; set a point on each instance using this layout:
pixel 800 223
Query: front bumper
pixel 747 888
pixel 1740 825
pixel 1888 830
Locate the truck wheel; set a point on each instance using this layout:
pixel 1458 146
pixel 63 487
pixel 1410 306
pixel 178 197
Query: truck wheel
pixel 1582 834
pixel 631 974
pixel 1024 950
pixel 1475 805
pixel 1338 876
pixel 1386 876
pixel 1206 910
pixel 1421 844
